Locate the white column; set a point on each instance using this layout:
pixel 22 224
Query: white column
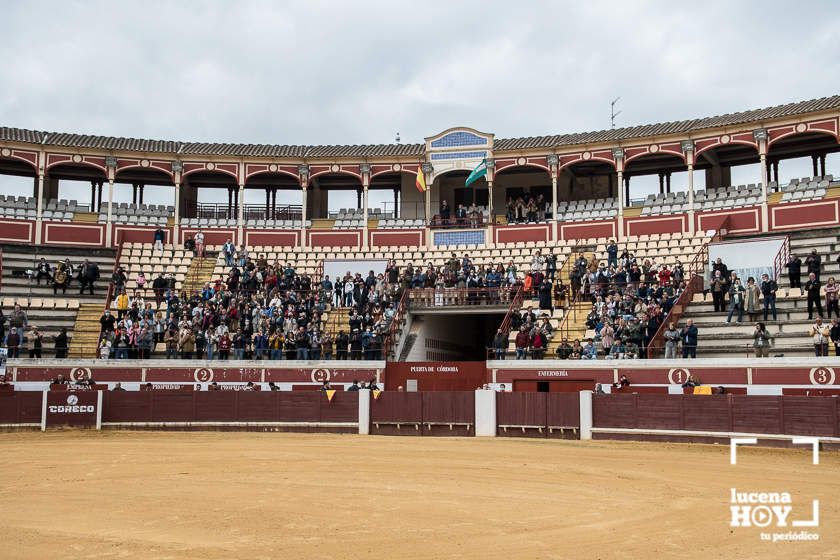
pixel 764 178
pixel 303 216
pixel 618 156
pixel 485 413
pixel 110 216
pixel 765 211
pixel 555 219
pixel 176 228
pixel 40 208
pixel 490 199
pixel 620 219
pixel 428 193
pixel 365 217
pixel 585 415
pixel 691 198
pixel 364 412
pixel 240 218
pixel 761 137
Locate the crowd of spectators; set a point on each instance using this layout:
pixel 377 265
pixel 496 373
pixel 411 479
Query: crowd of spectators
pixel 630 299
pixel 257 310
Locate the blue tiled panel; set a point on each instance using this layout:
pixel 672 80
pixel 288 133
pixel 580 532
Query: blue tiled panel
pixel 466 237
pixel 460 155
pixel 458 139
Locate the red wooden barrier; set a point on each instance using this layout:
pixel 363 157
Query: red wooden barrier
pixel 232 409
pixel 538 414
pixel 20 407
pixel 716 415
pixel 429 413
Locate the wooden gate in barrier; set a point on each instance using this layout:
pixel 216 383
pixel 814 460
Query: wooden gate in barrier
pixel 433 413
pixel 554 415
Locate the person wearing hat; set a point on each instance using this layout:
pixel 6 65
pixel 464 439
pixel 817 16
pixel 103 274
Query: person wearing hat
pixel 37 340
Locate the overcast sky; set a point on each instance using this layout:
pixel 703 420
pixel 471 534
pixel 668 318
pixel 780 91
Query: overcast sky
pixel 359 72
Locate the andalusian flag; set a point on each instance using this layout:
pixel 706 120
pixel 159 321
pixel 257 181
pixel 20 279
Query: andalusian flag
pixel 477 173
pixel 421 179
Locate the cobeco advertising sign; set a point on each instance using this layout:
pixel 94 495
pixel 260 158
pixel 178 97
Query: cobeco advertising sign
pixel 80 409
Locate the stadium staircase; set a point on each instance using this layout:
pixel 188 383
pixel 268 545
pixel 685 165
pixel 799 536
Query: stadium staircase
pixel 560 318
pixel 572 325
pixel 45 310
pixel 199 273
pixel 338 320
pixel 86 329
pixel 790 331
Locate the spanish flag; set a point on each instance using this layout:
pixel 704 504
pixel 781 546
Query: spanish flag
pixel 421 179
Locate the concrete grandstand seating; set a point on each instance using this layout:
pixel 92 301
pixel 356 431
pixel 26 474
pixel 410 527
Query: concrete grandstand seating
pixel 807 188
pixel 140 214
pixel 718 339
pixel 47 311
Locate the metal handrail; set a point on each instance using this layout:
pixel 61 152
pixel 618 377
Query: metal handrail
pixel 781 258
pixel 389 343
pixel 696 273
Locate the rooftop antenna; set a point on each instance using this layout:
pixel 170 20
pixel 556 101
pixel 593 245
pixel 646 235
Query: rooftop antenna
pixel 613 114
pixel 397 139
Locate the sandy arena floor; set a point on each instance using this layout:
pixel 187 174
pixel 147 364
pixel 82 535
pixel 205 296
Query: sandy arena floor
pixel 239 495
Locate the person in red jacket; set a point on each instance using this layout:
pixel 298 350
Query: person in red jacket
pixel 522 342
pixel 224 346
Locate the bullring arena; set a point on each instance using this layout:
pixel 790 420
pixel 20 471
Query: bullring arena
pixel 510 357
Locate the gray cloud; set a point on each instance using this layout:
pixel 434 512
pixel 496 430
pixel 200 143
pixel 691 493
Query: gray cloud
pixel 341 72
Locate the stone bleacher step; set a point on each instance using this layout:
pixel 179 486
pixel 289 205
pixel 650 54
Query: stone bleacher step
pixel 86 331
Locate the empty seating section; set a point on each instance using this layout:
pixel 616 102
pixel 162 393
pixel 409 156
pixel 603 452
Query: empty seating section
pixel 25 208
pixel 593 209
pixel 807 188
pixel 140 257
pixel 140 214
pixel 665 248
pixel 232 223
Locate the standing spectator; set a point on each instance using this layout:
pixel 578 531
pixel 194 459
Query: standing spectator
pixel 224 344
pixel 122 305
pixel 688 335
pixel 718 287
pixel 18 322
pixel 61 344
pixel 768 290
pixel 170 339
pixel 672 341
pixel 812 289
pixel 751 298
pixel 500 343
pixel 13 342
pixel 199 244
pixel 832 288
pixel 820 334
pixel 761 341
pixel 159 238
pixel 834 334
pixel 228 249
pixel 88 275
pixel 444 212
pixel 612 254
pixel 37 340
pixel 736 301
pixel 812 264
pixel 342 342
pixel 719 266
pixel 186 343
pixel 794 266
pixel 522 342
